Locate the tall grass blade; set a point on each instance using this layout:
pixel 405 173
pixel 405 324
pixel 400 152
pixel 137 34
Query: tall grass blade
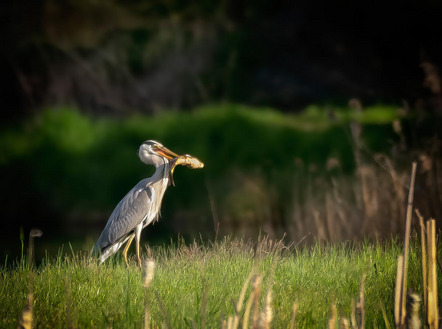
pixel 166 323
pixel 384 315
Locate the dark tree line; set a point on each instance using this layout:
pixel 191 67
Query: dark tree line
pixel 110 57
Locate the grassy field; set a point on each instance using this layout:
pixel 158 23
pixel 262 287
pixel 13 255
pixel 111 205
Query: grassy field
pixel 197 285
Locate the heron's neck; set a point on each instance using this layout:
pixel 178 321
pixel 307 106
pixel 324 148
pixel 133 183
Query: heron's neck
pixel 162 172
pixel 160 181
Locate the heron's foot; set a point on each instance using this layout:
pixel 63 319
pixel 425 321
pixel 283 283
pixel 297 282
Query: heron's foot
pixel 139 262
pixel 125 260
pixel 126 248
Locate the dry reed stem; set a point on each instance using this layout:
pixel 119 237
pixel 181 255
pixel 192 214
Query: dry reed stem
pixel 240 302
pixel 294 311
pixel 148 274
pixel 354 324
pixel 361 303
pixel 319 226
pixel 267 313
pixel 397 182
pixel 34 233
pixel 370 204
pixel 27 316
pixel 230 322
pixel 424 258
pixel 333 232
pixel 333 316
pixel 433 313
pixel 342 218
pixel 256 291
pixel 245 323
pixel 398 295
pixel 407 243
pixel 344 323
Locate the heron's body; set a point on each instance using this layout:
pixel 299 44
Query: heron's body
pixel 140 206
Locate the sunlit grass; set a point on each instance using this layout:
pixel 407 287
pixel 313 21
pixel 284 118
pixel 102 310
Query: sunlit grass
pixel 74 291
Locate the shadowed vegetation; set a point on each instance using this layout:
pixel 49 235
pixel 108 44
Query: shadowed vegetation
pixel 76 167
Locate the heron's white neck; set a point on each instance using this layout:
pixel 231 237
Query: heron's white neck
pixel 162 171
pixel 160 182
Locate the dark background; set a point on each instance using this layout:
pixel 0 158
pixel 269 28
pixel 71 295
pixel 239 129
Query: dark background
pixel 115 60
pixel 112 57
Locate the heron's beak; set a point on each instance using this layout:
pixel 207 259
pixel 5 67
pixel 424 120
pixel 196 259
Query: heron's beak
pixel 168 154
pixel 165 152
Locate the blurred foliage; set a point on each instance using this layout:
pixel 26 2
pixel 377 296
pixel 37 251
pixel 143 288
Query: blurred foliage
pixel 118 57
pixel 76 168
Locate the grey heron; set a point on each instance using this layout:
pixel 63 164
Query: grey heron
pixel 141 205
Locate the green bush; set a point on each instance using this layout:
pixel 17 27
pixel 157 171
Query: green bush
pixel 77 168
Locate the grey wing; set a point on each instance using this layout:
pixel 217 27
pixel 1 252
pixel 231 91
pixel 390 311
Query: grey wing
pixel 129 212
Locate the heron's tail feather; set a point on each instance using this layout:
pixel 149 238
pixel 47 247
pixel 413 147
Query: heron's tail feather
pixel 106 253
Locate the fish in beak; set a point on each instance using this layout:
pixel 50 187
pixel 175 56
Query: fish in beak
pixel 185 160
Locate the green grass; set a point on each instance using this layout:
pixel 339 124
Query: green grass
pixel 72 291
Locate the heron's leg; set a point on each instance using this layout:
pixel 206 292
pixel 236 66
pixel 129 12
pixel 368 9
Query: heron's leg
pixel 126 248
pixel 137 242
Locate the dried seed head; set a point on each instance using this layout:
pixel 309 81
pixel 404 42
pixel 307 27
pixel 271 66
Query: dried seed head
pixel 149 270
pixel 414 321
pixel 426 163
pixel 27 317
pixel 35 233
pixel 257 279
pixel 397 127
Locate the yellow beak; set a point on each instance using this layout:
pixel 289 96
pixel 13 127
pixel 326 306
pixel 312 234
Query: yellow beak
pixel 165 152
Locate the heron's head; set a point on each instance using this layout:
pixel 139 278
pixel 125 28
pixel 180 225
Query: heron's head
pixel 154 153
